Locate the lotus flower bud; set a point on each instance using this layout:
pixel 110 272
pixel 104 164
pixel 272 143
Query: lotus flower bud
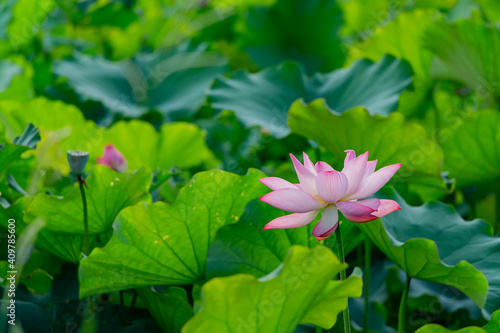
pixel 113 158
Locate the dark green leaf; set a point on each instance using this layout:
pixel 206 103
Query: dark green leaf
pixel 173 84
pixel 170 307
pixel 264 98
pixel 467 52
pixel 304 31
pixel 11 152
pixel 454 252
pixel 29 138
pixel 472 148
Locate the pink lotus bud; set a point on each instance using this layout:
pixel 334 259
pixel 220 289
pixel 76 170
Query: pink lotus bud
pixel 113 159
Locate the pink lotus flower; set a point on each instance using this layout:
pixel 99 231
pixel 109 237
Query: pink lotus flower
pixel 113 159
pixel 321 187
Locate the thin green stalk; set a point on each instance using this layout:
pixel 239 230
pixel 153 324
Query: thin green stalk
pixel 340 250
pixel 402 306
pixel 89 323
pixel 85 217
pixel 319 329
pixel 132 305
pixel 368 254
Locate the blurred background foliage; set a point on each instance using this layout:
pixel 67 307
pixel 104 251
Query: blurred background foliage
pixel 188 85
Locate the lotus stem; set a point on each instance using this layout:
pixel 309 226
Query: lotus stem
pixel 402 306
pixel 368 253
pixel 81 183
pixel 340 250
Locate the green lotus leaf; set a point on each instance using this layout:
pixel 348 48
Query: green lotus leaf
pixel 8 71
pixel 170 307
pixel 300 290
pixel 65 246
pixel 306 32
pixel 493 326
pixel 12 151
pixel 179 143
pixel 391 140
pixel 108 193
pixel 245 248
pixel 467 52
pixel 264 98
pixel 19 23
pixel 402 38
pixel 29 138
pixel 472 148
pixel 360 16
pixel 22 28
pixel 172 83
pixel 491 9
pixel 433 243
pixel 69 247
pixel 161 244
pixel 37 274
pixel 435 328
pixel 62 128
pixel 45 114
pixel 438 4
pixel 401 43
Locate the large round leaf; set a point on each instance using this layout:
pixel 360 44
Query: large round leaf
pixel 156 244
pixel 400 38
pixel 170 83
pixel 467 52
pixel 472 148
pixel 299 291
pixel 433 243
pixel 107 194
pixel 44 113
pixel 264 98
pixel 390 140
pixel 179 143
